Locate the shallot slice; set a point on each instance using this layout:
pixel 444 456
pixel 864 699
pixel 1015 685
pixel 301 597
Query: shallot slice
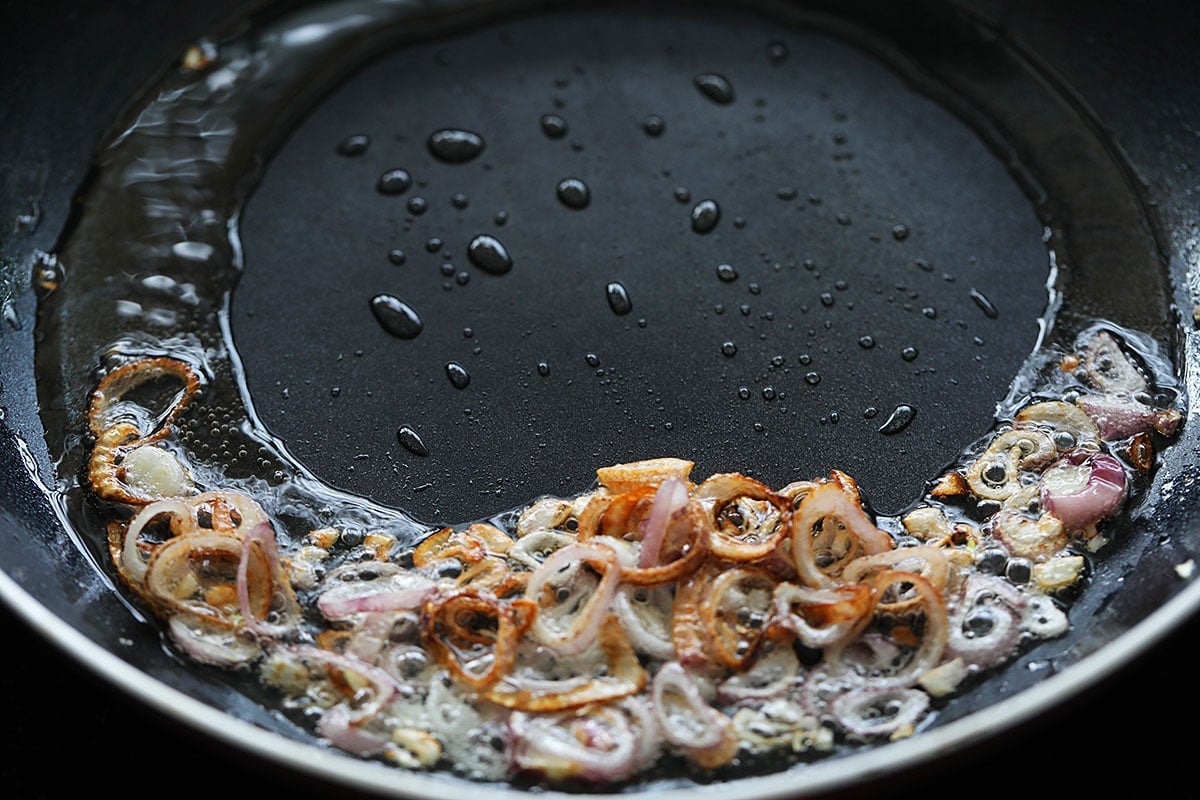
pixel 395 591
pixel 820 618
pixel 774 672
pixel 1080 503
pixel 574 629
pixel 599 745
pixel 684 715
pixel 645 613
pixel 278 590
pixel 874 712
pixel 132 560
pixel 829 529
pixel 670 500
pixel 211 644
pixel 928 651
pixel 1122 416
pixel 985 624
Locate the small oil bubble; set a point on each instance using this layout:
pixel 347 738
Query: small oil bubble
pixel 900 232
pixel 459 200
pixel 411 440
pixel 455 146
pixel 487 253
pixel 654 125
pixel 394 182
pixel 768 393
pixel 433 244
pixel 554 126
pixel 592 360
pixel 729 349
pixel 574 193
pixel 866 342
pixel 930 312
pixel 354 145
pixel 705 216
pixel 812 378
pixel 727 272
pixel 417 205
pixel 396 316
pixel 985 305
pixel 681 193
pixel 397 256
pixel 826 299
pixel 744 393
pixel 715 87
pixel 618 298
pixel 909 353
pixel 543 368
pixel 458 375
pixel 900 418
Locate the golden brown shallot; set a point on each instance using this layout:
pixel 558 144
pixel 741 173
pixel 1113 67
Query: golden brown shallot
pixel 460 625
pixel 830 529
pixel 735 612
pixel 747 516
pixel 996 473
pixel 121 427
pixel 648 472
pixel 618 674
pixel 926 560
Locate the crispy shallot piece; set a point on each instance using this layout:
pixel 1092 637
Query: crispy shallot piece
pixel 819 618
pixel 924 651
pixel 458 627
pixel 735 612
pixel 747 517
pixel 620 675
pixel 649 472
pixel 829 529
pixel 119 426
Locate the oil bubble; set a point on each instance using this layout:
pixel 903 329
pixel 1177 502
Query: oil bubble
pixel 489 254
pixel 396 316
pixel 618 298
pixel 574 193
pixel 455 146
pixel 705 216
pixel 715 87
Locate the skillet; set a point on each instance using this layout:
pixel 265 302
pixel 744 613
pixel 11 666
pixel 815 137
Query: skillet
pixel 1170 518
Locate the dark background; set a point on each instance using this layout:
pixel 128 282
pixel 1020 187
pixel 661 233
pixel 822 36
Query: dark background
pixel 64 732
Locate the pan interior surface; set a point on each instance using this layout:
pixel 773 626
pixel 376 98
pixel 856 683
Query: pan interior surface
pixel 489 253
pixel 866 252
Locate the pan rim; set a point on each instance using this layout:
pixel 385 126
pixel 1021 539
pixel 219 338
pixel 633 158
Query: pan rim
pixel 841 773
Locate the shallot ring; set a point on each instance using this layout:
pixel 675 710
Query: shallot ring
pixel 934 567
pixel 935 633
pixel 616 515
pixel 129 376
pixel 624 677
pixel 737 657
pixel 727 488
pixel 513 618
pixel 698 547
pixel 831 499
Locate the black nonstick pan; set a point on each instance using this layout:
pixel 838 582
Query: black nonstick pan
pixel 438 259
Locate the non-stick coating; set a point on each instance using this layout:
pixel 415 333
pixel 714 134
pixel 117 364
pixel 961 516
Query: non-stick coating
pixel 1149 112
